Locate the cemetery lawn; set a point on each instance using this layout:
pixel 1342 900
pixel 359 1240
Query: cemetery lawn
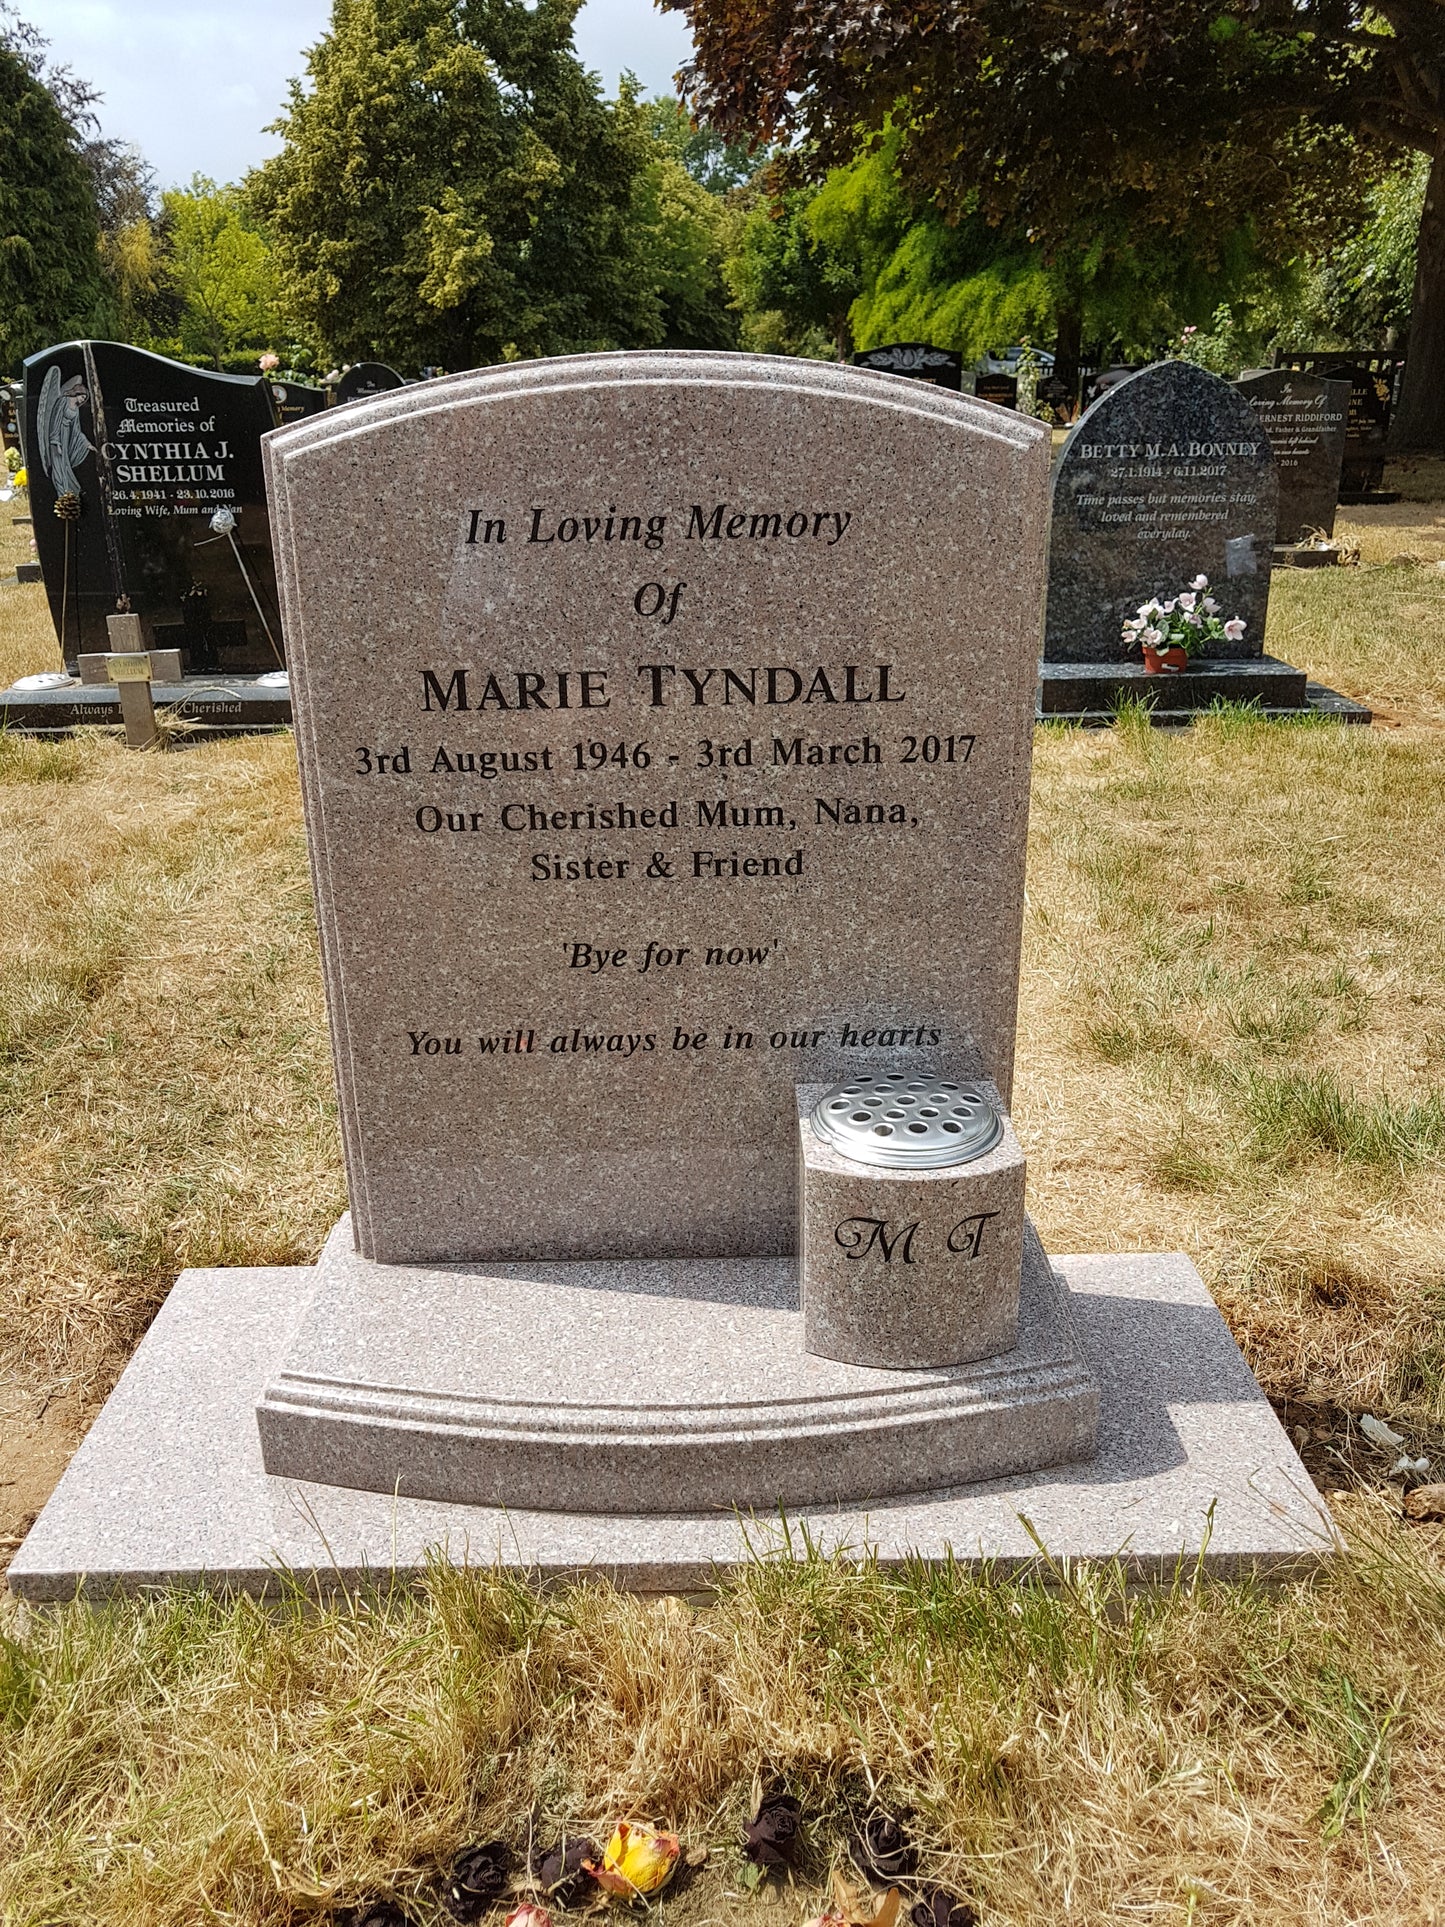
pixel 1231 1043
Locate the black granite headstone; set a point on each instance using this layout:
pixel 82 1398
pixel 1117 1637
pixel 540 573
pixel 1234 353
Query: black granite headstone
pixel 1304 419
pixel 367 378
pixel 10 414
pixel 1168 476
pixel 133 462
pixel 941 366
pixel 1373 379
pixel 295 400
pixel 1002 390
pixel 1103 379
pixel 1057 396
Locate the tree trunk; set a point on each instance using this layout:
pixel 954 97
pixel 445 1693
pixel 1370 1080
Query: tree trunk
pixel 1419 421
pixel 1068 348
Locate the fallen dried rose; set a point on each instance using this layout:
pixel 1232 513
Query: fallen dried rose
pixel 478 1879
pixel 529 1914
pixel 940 1909
pixel 1425 1502
pixel 563 1874
pixel 378 1913
pixel 861 1909
pixel 882 1848
pixel 770 1838
pixel 638 1860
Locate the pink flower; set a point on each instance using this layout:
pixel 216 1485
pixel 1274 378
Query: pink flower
pixel 1187 602
pixel 1210 606
pixel 1235 628
pixel 268 362
pixel 1200 582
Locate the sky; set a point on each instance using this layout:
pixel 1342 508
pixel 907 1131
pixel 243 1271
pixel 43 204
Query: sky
pixel 193 84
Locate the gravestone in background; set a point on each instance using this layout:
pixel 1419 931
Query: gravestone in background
pixel 665 755
pixel 1001 390
pixel 1056 395
pixel 297 400
pixel 10 414
pixel 367 378
pixel 941 366
pixel 1304 418
pixel 1374 381
pixel 140 454
pixel 1168 476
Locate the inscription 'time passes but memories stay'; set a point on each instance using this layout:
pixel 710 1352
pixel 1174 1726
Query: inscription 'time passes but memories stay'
pixel 772 751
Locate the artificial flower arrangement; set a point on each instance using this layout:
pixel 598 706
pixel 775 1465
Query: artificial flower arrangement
pixel 1169 633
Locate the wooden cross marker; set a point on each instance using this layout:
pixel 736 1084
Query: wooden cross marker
pixel 128 666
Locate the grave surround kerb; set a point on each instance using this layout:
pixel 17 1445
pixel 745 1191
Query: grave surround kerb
pixel 876 941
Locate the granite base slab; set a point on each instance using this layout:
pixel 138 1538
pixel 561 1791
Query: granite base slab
pixel 168 1487
pixel 646 1386
pixel 1068 687
pixel 1100 697
pixel 216 705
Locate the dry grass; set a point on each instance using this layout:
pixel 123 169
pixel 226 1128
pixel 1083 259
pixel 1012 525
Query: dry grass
pixel 165 1083
pixel 1233 1025
pixel 1210 1753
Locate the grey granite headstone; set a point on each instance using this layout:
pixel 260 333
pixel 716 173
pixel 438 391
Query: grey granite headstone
pixel 1167 476
pixel 1304 419
pixel 654 762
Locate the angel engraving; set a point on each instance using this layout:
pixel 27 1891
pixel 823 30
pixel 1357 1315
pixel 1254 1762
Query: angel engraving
pixel 63 444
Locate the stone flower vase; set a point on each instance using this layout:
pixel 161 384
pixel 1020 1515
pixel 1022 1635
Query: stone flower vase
pixel 1168 661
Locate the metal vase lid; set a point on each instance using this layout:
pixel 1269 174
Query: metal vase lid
pixel 906 1121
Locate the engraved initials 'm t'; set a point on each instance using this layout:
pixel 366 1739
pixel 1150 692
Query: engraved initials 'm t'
pixel 860 1236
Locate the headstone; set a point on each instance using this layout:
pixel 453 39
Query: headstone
pixel 1168 476
pixel 1058 398
pixel 1373 379
pixel 367 378
pixel 559 703
pixel 1001 390
pixel 10 414
pixel 133 458
pixel 942 366
pixel 1102 380
pixel 1304 419
pixel 296 400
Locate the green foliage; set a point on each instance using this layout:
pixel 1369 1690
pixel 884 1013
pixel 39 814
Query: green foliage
pixel 51 285
pixel 681 227
pixel 793 290
pixel 453 189
pixel 218 265
pixel 717 164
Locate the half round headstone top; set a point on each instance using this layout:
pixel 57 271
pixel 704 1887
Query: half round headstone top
pixel 1168 476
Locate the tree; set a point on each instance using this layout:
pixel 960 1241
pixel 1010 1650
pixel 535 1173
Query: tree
pixel 681 232
pixel 453 189
pixel 1149 116
pixel 220 269
pixel 794 289
pixel 51 284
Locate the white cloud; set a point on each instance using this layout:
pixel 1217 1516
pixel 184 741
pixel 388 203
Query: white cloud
pixel 194 88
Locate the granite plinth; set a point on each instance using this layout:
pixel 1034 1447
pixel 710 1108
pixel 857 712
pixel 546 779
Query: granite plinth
pixel 169 1486
pixel 1302 556
pixel 644 1386
pixel 1061 685
pixel 217 705
pixel 1067 688
pixel 28 572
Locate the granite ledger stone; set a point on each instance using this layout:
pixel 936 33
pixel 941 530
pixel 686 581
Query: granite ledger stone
pixel 1166 476
pixel 666 746
pixel 1304 418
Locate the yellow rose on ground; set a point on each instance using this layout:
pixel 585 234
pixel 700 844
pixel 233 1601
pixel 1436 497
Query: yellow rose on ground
pixel 638 1860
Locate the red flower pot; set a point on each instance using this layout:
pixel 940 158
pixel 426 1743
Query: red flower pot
pixel 1169 661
